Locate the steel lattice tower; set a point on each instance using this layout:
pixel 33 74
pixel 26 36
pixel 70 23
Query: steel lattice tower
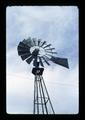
pixel 40 53
pixel 41 96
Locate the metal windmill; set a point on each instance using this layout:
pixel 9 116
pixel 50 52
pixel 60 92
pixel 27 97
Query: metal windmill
pixel 40 53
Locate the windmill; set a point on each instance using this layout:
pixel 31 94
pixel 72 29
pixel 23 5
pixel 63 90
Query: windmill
pixel 39 53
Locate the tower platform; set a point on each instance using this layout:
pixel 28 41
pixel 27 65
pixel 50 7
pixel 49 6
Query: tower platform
pixel 37 71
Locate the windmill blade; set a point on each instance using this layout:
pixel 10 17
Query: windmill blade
pixel 51 52
pixel 47 45
pixel 24 56
pixel 23 52
pixel 29 60
pixel 47 57
pixel 39 41
pixel 60 61
pixel 22 48
pixel 21 44
pixel 50 49
pixel 34 41
pixel 43 43
pixel 41 61
pixel 28 42
pixel 48 54
pixel 45 60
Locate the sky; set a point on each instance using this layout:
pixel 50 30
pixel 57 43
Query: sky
pixel 59 26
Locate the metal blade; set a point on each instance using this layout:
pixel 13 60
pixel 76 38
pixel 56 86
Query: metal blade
pixel 34 41
pixel 45 60
pixel 41 61
pixel 60 61
pixel 23 52
pixel 28 42
pixel 29 60
pixel 25 56
pixel 23 48
pixel 51 52
pixel 43 43
pixel 47 45
pixel 39 40
pixel 50 49
pixel 47 57
pixel 21 44
pixel 48 54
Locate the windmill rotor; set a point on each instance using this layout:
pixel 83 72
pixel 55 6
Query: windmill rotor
pixel 35 50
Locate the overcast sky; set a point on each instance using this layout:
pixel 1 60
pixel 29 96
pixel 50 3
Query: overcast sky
pixel 57 25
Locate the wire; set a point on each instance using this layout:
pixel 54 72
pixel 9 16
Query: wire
pixel 9 75
pixel 49 82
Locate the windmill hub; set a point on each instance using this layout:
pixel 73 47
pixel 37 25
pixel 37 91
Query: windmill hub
pixel 40 49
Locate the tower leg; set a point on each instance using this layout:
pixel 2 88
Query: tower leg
pixel 42 102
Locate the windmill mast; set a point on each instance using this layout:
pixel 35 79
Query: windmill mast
pixel 42 102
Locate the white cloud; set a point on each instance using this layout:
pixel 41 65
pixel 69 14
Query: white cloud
pixel 34 22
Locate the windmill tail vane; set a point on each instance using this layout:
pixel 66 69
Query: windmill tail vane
pixel 40 53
